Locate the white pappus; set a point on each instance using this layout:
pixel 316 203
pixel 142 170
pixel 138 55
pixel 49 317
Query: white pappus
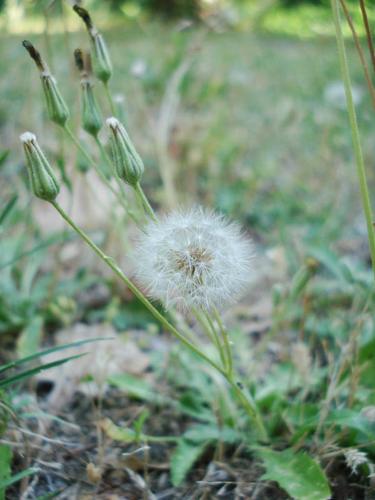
pixel 193 259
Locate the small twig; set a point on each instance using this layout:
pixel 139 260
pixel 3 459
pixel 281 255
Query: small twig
pixel 359 50
pixel 368 32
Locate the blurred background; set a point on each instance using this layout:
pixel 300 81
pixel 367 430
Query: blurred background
pixel 234 104
pixel 237 105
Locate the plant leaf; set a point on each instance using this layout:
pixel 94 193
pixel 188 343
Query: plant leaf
pixel 33 371
pixel 183 458
pixel 136 388
pixel 7 209
pixel 5 468
pixel 29 340
pixel 22 361
pixel 297 473
pixel 17 477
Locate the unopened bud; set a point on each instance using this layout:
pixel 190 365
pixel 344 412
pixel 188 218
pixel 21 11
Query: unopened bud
pixel 43 181
pixel 127 162
pixel 91 119
pixel 57 110
pixel 101 61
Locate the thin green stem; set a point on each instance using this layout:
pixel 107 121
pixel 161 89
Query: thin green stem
pixel 217 342
pixel 110 99
pixel 210 331
pixel 227 346
pixel 245 399
pixel 361 172
pixel 121 195
pixel 122 199
pixel 103 152
pixel 144 201
pixel 78 145
pixel 250 406
pixel 109 261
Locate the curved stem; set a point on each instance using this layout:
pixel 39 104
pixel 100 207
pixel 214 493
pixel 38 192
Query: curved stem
pixel 110 99
pixel 227 346
pixel 115 268
pixel 144 201
pixel 250 406
pixel 216 340
pixel 78 145
pixel 245 399
pixel 361 172
pixel 121 199
pixel 210 331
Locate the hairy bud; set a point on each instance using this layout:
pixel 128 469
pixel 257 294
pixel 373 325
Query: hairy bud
pixel 91 119
pixel 127 162
pixel 43 181
pixel 57 109
pixel 101 60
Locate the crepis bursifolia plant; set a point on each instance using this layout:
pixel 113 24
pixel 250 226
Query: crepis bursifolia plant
pixel 192 260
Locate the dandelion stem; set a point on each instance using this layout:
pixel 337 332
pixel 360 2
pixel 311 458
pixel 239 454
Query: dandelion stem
pixel 110 99
pixel 227 346
pixel 361 172
pixel 110 262
pixel 249 405
pixel 245 398
pixel 144 201
pixel 209 328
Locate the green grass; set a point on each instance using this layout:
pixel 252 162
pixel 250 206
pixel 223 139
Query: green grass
pixel 256 137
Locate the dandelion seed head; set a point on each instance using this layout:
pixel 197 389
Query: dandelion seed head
pixel 193 259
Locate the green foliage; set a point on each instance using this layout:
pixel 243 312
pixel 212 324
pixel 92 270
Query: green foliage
pixel 297 473
pixel 184 457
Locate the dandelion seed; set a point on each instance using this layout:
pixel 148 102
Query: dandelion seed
pixel 193 259
pixel 354 458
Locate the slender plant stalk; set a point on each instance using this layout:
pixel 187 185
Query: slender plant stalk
pixel 224 334
pixel 115 268
pixel 368 32
pixel 361 172
pixel 144 201
pixel 121 194
pixel 360 51
pixel 121 199
pixel 207 323
pixel 245 399
pixel 110 98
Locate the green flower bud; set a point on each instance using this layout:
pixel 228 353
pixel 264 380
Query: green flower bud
pixel 43 181
pixel 57 110
pixel 100 57
pixel 101 61
pixel 127 162
pixel 91 119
